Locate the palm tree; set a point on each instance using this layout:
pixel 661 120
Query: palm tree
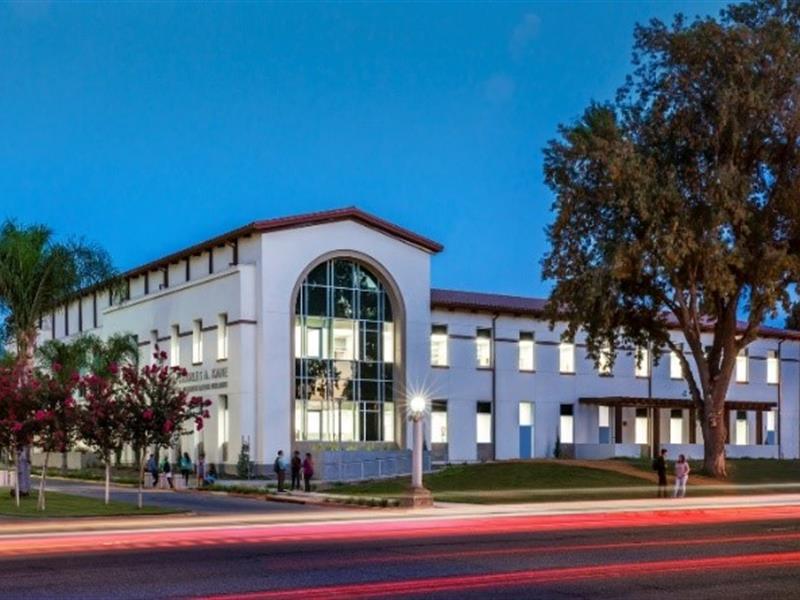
pixel 37 274
pixel 118 349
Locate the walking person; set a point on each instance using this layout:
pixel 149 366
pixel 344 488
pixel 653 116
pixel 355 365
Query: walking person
pixel 308 470
pixel 297 465
pixel 152 468
pixel 682 470
pixel 166 469
pixel 660 467
pixel 280 470
pixel 201 470
pixel 186 468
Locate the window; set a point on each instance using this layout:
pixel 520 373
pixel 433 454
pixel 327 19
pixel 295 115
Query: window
pixel 483 347
pixel 604 361
pixel 603 423
pixel 526 346
pixel 642 368
pixel 197 342
pixel 174 346
pixel 741 367
pixel 741 428
pixel 153 342
pixel 439 422
pixel 526 414
pixel 222 424
pixel 344 354
pixel 439 345
pixel 222 337
pixel 676 426
pixel 771 428
pixel 565 423
pixel 675 369
pixel 641 427
pixel 566 357
pixel 773 367
pixel 484 422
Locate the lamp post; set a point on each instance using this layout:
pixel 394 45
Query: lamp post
pixel 417 495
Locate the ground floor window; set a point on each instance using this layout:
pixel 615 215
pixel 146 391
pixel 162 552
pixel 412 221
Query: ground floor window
pixel 565 424
pixel 771 437
pixel 741 428
pixel 641 426
pixel 222 424
pixel 604 425
pixel 676 426
pixel 439 422
pixel 484 422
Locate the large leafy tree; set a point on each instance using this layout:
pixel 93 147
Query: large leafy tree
pixel 38 273
pixel 158 410
pixel 19 422
pixel 678 205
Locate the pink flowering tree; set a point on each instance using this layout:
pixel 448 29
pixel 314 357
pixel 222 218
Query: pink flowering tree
pixel 18 423
pixel 158 410
pixel 55 416
pixel 103 418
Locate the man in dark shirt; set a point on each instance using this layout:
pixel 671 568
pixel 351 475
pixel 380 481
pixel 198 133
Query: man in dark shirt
pixel 660 467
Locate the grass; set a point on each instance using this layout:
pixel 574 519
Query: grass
pixel 126 475
pixel 68 505
pixel 506 482
pixel 742 471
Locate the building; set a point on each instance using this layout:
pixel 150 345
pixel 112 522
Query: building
pixel 310 332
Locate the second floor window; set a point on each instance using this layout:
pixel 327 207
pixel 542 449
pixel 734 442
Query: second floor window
pixel 675 369
pixel 174 347
pixel 566 357
pixel 222 337
pixel 483 347
pixel 773 367
pixel 642 357
pixel 197 341
pixel 741 367
pixel 604 362
pixel 526 360
pixel 439 346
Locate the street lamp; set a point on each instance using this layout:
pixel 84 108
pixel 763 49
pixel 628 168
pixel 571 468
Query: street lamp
pixel 417 495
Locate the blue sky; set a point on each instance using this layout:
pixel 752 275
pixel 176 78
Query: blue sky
pixel 150 127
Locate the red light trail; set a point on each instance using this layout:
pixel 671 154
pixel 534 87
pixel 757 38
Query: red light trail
pixel 410 528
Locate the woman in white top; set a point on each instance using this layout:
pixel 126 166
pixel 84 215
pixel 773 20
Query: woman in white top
pixel 681 476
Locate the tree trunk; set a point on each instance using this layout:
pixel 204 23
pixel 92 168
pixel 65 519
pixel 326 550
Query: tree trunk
pixel 141 479
pixel 16 483
pixel 715 431
pixel 40 503
pixel 28 363
pixel 108 479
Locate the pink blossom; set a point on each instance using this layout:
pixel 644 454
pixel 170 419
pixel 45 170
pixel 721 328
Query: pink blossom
pixel 147 415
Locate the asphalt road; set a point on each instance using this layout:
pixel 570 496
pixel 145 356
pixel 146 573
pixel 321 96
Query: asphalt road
pixel 205 503
pixel 692 555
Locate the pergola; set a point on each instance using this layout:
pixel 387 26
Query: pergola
pixel 654 405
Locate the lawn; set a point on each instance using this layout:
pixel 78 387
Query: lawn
pixel 67 505
pixel 744 471
pixel 506 482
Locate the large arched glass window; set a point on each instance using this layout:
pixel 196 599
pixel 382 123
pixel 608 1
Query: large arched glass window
pixel 344 354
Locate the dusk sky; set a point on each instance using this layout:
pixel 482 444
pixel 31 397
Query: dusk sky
pixel 151 127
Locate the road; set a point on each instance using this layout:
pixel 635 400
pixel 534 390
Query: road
pixel 693 554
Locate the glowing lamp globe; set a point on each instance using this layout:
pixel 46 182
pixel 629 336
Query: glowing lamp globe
pixel 418 405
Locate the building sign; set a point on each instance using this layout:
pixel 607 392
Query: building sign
pixel 201 380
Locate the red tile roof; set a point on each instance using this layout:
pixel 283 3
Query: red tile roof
pixel 534 307
pixel 350 213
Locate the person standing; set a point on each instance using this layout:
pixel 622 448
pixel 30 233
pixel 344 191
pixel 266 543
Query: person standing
pixel 280 470
pixel 297 465
pixel 308 470
pixel 201 470
pixel 682 470
pixel 152 468
pixel 166 469
pixel 660 467
pixel 186 468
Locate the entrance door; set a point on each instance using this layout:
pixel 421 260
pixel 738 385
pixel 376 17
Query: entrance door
pixel 526 429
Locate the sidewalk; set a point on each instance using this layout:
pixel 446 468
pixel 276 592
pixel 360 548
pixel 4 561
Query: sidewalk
pixel 440 511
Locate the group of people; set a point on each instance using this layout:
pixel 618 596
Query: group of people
pixel 299 466
pixel 205 475
pixel 682 470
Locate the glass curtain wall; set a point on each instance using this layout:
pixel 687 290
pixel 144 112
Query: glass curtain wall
pixel 344 356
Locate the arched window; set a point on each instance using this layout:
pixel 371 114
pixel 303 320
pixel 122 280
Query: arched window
pixel 344 345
